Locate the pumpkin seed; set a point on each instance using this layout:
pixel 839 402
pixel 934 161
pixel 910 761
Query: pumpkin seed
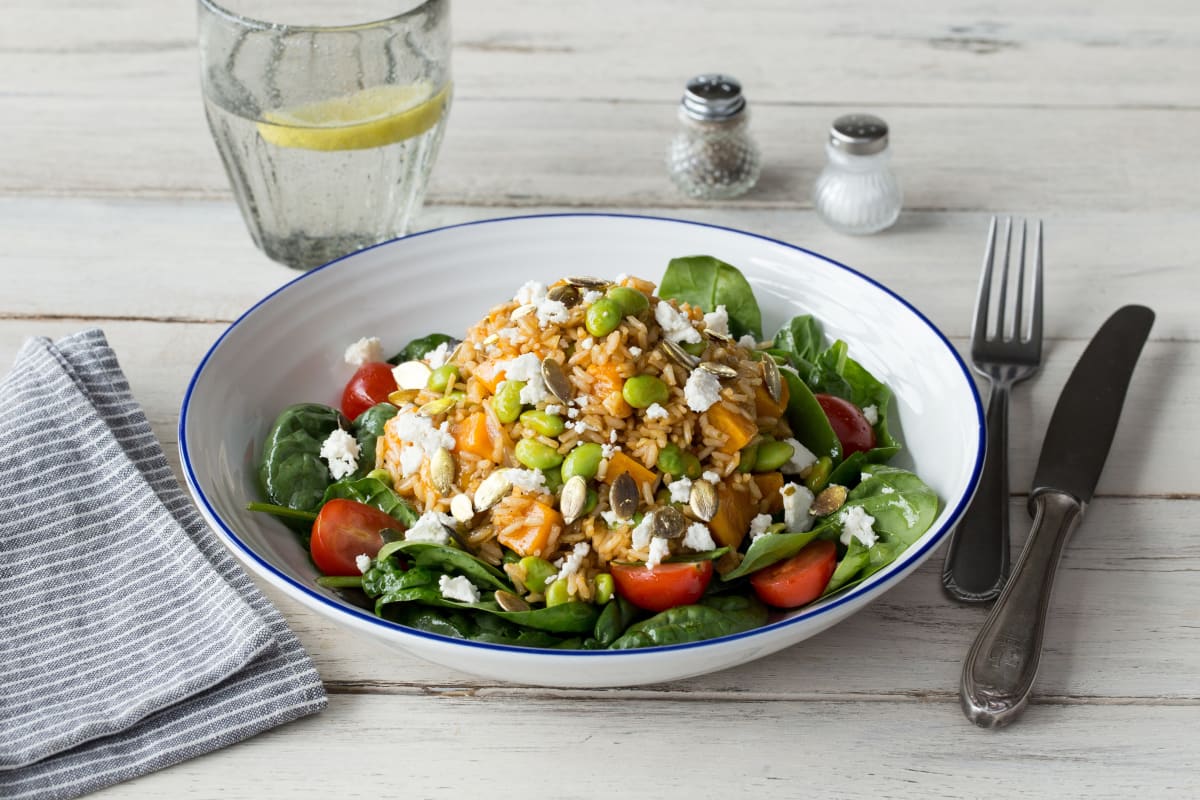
pixel 402 396
pixel 439 406
pixel 510 602
pixel 556 380
pixel 720 370
pixel 522 311
pixel 677 354
pixel 462 509
pixel 411 375
pixel 494 487
pixel 717 336
pixel 573 498
pixel 566 294
pixel 669 523
pixel 623 497
pixel 772 379
pixel 703 501
pixel 441 470
pixel 828 500
pixel 588 282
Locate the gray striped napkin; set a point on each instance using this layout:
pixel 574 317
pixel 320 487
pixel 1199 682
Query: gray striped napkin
pixel 130 639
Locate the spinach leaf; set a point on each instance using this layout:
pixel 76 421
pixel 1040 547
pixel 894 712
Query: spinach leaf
pixel 472 625
pixel 807 420
pixel 419 348
pixel 768 549
pixel 718 615
pixel 572 617
pixel 385 579
pixel 694 558
pixel 800 340
pixel 706 282
pixel 836 373
pixel 368 427
pixel 617 615
pixel 291 472
pixel 448 560
pixel 373 492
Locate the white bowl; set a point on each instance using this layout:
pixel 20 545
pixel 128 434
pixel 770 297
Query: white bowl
pixel 288 348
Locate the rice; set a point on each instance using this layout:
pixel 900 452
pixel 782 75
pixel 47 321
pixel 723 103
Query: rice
pixel 595 368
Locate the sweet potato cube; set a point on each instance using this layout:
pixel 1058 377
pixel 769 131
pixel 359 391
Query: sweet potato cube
pixel 606 386
pixel 489 374
pixel 734 512
pixel 620 463
pixel 472 436
pixel 769 483
pixel 540 528
pixel 739 429
pixel 764 406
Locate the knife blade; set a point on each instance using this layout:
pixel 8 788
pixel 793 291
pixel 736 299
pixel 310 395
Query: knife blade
pixel 1001 666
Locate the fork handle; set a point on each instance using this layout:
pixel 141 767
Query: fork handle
pixel 977 559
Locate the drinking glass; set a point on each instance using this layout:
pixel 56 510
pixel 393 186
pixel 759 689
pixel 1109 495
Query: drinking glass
pixel 328 129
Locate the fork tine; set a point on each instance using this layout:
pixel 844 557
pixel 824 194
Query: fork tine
pixel 1015 330
pixel 1035 317
pixel 979 324
pixel 1002 295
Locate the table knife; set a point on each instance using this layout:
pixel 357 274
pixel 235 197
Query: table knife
pixel 1002 663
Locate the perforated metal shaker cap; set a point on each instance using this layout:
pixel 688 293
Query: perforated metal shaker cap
pixel 859 134
pixel 712 97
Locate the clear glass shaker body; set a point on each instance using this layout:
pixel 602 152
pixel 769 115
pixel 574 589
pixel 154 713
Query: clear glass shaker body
pixel 712 156
pixel 856 192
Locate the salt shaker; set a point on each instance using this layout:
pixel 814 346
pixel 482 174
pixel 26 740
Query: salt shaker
pixel 857 192
pixel 712 156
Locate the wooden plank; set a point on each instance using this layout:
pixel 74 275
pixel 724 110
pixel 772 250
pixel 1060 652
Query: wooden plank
pixel 196 262
pixel 502 746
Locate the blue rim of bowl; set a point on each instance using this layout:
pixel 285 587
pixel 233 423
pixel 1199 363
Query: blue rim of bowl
pixel 882 581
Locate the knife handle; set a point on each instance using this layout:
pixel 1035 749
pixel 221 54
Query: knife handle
pixel 1002 663
pixel 977 558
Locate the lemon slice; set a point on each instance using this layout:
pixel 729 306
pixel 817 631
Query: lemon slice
pixel 374 117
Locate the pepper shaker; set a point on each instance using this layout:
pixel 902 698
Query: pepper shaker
pixel 712 155
pixel 857 192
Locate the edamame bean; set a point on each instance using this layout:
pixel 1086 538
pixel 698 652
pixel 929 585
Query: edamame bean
pixel 381 475
pixel 439 379
pixel 537 572
pixel 554 480
pixel 643 391
pixel 556 593
pixel 604 588
pixel 772 454
pixel 583 460
pixel 632 302
pixel 695 348
pixel 747 456
pixel 593 500
pixel 691 465
pixel 818 474
pixel 507 402
pixel 544 423
pixel 536 455
pixel 670 461
pixel 603 317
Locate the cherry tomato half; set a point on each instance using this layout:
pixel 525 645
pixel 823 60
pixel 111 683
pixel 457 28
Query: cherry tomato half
pixel 664 586
pixel 344 530
pixel 848 423
pixel 798 580
pixel 369 386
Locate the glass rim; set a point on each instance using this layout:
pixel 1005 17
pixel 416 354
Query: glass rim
pixel 258 24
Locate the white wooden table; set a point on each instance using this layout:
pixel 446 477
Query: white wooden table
pixel 114 212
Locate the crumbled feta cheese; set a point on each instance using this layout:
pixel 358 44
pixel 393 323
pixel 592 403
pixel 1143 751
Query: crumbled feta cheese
pixel 530 293
pixel 718 321
pixel 365 350
pixel 797 500
pixel 802 458
pixel 411 457
pixel 552 312
pixel 571 564
pixel 640 535
pixel 681 489
pixel 748 341
pixel 621 278
pixel 676 327
pixel 458 588
pixel 340 450
pixel 610 517
pixel 698 538
pixel 759 525
pixel 635 351
pixel 590 296
pixel 437 356
pixel 572 413
pixel 554 409
pixel 887 490
pixel 872 415
pixel 530 480
pixel 660 548
pixel 527 368
pixel 655 411
pixel 612 436
pixel 702 390
pixel 431 527
pixel 420 431
pixel 511 334
pixel 856 524
pixel 607 450
pixel 582 400
pixel 586 343
pixel 711 476
pixel 363 562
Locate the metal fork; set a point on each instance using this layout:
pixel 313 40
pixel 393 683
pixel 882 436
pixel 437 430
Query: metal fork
pixel 1006 352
